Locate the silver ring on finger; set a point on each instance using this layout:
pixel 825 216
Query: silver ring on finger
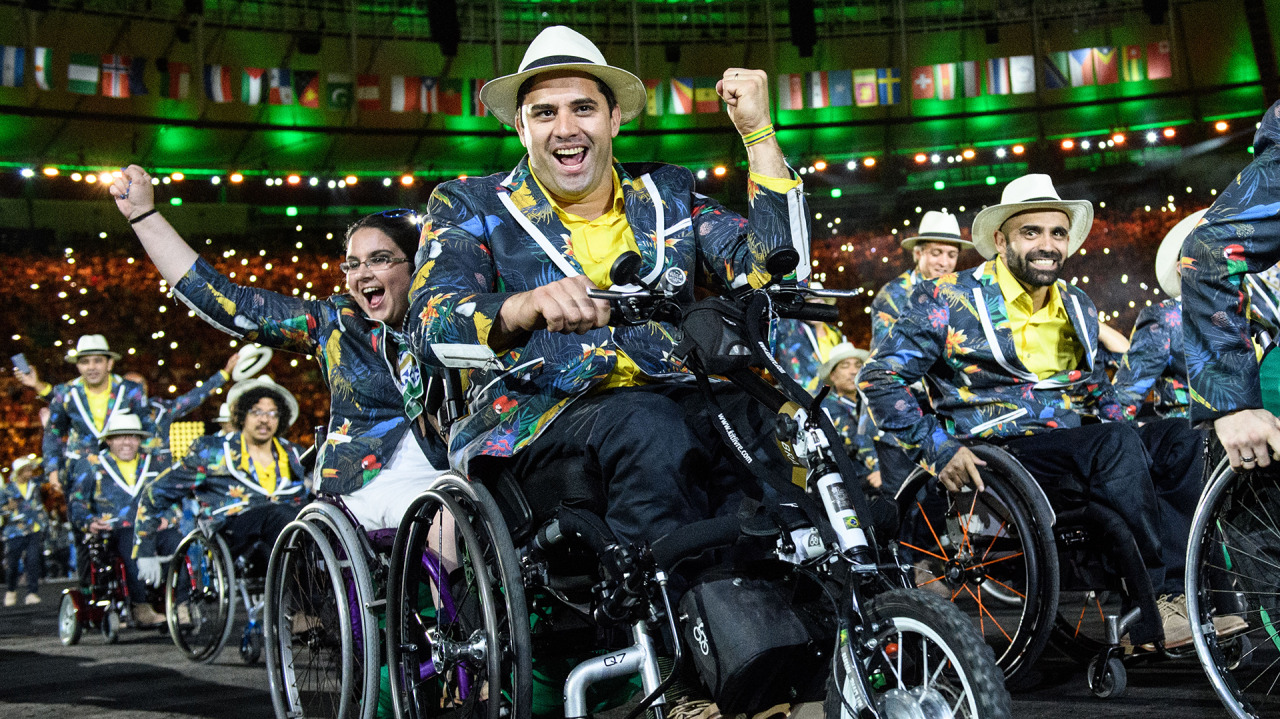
pixel 1248 460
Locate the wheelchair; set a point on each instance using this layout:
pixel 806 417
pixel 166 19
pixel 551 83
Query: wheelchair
pixel 103 604
pixel 1028 575
pixel 490 571
pixel 323 615
pixel 1233 567
pixel 201 589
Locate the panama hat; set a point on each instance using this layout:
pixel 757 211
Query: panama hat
pixel 253 358
pixel 1169 256
pixel 89 345
pixel 224 413
pixel 22 463
pixel 263 382
pixel 123 423
pixel 562 48
pixel 937 227
pixel 1031 192
pixel 840 353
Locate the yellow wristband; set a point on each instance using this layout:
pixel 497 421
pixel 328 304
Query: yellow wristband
pixel 759 136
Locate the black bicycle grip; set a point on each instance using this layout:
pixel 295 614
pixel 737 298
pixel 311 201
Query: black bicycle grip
pixel 811 312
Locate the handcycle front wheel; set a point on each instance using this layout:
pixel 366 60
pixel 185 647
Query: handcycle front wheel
pixel 1233 570
pixel 199 605
pixel 927 661
pixel 457 623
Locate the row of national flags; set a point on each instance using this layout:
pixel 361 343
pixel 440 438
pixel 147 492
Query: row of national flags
pixel 123 76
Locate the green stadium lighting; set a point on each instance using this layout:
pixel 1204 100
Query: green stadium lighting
pixel 991 179
pixel 836 192
pixel 939 185
pixel 175 201
pixel 291 211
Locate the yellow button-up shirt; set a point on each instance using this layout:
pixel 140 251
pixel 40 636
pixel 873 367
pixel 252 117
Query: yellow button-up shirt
pixel 1045 340
pixel 597 243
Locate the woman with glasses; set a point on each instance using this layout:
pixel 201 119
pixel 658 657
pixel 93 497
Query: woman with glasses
pixel 379 452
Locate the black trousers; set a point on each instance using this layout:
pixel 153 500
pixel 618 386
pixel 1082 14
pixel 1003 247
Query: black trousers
pixel 122 541
pixel 254 530
pixel 29 550
pixel 1149 475
pixel 659 460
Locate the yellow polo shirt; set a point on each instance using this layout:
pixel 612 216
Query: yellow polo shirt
pixel 128 470
pixel 99 402
pixel 597 243
pixel 1045 340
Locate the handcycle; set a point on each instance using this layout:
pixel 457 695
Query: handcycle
pixel 202 586
pixel 459 636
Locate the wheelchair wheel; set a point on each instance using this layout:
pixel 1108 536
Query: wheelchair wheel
pixel 69 627
pixel 311 666
pixel 111 626
pixel 199 604
pixel 927 662
pixel 458 630
pixel 990 555
pixel 1233 570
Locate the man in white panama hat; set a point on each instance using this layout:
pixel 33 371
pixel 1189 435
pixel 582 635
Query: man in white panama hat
pixel 103 500
pixel 80 409
pixel 1013 352
pixel 507 261
pixel 845 408
pixel 935 249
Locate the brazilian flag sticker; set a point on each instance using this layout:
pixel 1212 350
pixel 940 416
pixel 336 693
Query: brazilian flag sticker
pixel 851 522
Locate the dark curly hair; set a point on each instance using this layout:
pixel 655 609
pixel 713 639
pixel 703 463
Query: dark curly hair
pixel 246 401
pixel 402 226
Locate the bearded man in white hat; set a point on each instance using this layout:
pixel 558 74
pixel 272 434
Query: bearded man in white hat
pixel 935 249
pixel 103 500
pixel 507 261
pixel 1013 351
pixel 81 408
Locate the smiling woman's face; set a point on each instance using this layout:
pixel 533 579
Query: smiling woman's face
pixel 382 294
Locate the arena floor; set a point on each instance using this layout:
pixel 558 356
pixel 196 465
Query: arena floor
pixel 144 677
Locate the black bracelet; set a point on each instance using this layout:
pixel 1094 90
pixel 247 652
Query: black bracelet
pixel 143 216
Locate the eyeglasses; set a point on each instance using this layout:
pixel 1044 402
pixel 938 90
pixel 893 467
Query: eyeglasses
pixel 377 264
pixel 268 413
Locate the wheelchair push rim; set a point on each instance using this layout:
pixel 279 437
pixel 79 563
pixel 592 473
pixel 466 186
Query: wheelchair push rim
pixel 202 570
pixel 454 632
pixel 989 556
pixel 1233 568
pixel 309 647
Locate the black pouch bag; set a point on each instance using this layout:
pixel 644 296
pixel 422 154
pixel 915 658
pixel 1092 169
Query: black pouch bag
pixel 715 336
pixel 751 647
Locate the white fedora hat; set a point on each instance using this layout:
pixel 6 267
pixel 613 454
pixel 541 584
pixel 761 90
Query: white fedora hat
pixel 1031 192
pixel 89 345
pixel 1169 256
pixel 122 423
pixel 253 358
pixel 840 353
pixel 23 462
pixel 937 227
pixel 562 48
pixel 236 392
pixel 224 413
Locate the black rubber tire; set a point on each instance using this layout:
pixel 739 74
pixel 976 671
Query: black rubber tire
pixel 493 606
pixel 111 626
pixel 917 612
pixel 69 626
pixel 1115 678
pixel 1018 647
pixel 210 604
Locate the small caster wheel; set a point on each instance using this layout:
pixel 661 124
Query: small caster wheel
pixel 251 648
pixel 111 627
pixel 1109 681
